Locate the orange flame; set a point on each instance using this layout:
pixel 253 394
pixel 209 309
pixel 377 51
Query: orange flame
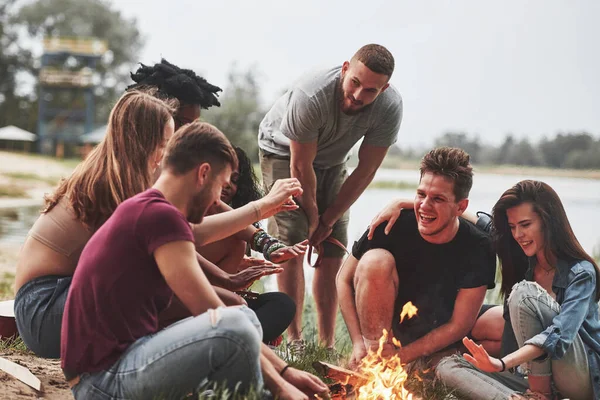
pixel 385 375
pixel 408 310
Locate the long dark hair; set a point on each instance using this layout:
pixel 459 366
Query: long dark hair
pixel 248 188
pixel 559 240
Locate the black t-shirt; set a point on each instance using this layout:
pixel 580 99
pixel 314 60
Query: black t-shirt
pixel 430 275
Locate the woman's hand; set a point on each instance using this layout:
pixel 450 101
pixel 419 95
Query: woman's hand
pixel 287 253
pixel 480 358
pixel 280 198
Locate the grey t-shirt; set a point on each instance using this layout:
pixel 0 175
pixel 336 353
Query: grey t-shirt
pixel 310 111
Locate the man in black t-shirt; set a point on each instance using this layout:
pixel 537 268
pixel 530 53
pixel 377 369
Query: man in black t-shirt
pixel 441 263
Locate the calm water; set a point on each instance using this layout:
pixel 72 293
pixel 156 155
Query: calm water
pixel 581 198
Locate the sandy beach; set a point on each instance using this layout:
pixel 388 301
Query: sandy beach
pixel 34 176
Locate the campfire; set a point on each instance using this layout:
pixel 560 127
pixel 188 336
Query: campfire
pixel 379 376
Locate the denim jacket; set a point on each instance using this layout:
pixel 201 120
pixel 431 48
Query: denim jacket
pixel 574 284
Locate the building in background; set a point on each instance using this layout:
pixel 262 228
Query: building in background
pixel 66 93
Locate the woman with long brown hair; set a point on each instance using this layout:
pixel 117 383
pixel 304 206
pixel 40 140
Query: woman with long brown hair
pixel 121 166
pixel 553 312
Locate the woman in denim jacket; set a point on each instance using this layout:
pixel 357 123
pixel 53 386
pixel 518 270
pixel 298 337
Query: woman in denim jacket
pixel 553 312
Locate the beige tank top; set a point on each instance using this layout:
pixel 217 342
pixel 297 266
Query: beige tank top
pixel 61 231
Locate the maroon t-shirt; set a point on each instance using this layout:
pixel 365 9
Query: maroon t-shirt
pixel 118 291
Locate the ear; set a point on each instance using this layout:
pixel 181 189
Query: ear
pixel 462 206
pixel 387 85
pixel 345 67
pixel 203 173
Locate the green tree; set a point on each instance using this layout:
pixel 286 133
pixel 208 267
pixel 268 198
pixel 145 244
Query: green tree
pixel 15 109
pixel 556 151
pixel 86 18
pixel 241 112
pixel 463 141
pixel 523 153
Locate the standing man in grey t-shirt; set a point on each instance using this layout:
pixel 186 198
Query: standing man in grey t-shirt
pixel 308 134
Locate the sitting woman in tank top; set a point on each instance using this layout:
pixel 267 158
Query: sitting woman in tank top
pixel 121 166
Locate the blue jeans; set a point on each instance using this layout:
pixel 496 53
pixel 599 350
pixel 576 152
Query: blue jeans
pixel 39 308
pixel 531 311
pixel 221 346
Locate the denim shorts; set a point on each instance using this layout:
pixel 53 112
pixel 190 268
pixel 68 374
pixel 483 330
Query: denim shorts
pixel 39 308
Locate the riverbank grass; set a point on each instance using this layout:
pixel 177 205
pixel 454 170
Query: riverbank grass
pixel 12 191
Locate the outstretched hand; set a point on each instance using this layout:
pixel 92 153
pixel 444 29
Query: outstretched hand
pixel 248 262
pixel 480 358
pixel 289 252
pixel 280 198
pixel 244 279
pixel 390 213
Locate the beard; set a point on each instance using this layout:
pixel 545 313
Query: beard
pixel 343 98
pixel 200 203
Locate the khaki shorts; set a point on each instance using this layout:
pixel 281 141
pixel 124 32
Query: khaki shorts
pixel 292 227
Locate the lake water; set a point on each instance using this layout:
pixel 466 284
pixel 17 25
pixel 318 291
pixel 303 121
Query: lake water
pixel 581 198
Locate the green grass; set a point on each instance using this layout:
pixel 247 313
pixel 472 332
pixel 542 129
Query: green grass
pixel 28 176
pixel 13 191
pixel 421 385
pixel 6 286
pixel 393 185
pixel 14 345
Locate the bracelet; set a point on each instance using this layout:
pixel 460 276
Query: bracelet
pixel 283 370
pixel 255 237
pixel 272 249
pixel 262 241
pixel 503 366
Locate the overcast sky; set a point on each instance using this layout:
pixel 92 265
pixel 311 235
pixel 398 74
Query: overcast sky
pixel 489 67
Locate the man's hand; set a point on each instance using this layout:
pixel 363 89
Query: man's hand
pixel 305 382
pixel 289 252
pixel 321 233
pixel 390 213
pixel 280 198
pixel 243 279
pixel 313 221
pixel 248 262
pixel 359 351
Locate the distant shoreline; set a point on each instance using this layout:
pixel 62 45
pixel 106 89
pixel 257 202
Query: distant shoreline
pixel 397 163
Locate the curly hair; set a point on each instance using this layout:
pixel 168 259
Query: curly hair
pixel 248 188
pixel 175 82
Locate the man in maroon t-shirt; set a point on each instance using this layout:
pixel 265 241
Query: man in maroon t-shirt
pixel 128 272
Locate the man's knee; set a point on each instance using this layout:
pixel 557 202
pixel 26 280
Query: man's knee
pixel 447 368
pixel 377 265
pixel 241 324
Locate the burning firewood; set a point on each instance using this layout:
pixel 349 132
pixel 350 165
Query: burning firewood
pixel 380 376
